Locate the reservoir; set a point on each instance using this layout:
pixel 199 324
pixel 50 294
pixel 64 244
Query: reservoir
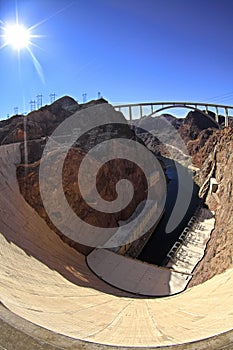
pixel 160 242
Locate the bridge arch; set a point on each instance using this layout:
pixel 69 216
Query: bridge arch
pixel 131 107
pixel 188 107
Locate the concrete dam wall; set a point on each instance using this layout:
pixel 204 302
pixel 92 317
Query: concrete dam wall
pixel 48 283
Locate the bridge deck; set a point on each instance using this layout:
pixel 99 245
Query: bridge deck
pixel 134 111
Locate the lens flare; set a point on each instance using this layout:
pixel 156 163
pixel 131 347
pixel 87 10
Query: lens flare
pixel 17 36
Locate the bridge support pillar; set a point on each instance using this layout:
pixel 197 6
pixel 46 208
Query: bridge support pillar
pixel 130 113
pixel 216 115
pixel 140 111
pixel 226 118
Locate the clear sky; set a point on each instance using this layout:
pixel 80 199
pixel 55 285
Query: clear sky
pixel 128 50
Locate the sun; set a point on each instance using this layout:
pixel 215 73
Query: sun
pixel 19 37
pixel 16 36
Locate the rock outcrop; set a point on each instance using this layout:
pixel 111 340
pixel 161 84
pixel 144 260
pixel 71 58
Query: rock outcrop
pixel 211 150
pixel 195 129
pixel 106 181
pixel 194 123
pixel 42 122
pixel 108 175
pixel 218 155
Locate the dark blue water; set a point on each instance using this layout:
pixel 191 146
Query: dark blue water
pixel 160 243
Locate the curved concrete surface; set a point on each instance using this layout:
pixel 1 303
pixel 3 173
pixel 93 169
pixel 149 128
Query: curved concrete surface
pixel 141 278
pixel 135 276
pixel 17 333
pixel 48 283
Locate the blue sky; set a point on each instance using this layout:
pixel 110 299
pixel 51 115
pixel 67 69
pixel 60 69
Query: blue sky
pixel 130 51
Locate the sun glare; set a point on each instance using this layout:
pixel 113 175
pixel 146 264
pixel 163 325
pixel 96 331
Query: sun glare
pixel 19 37
pixel 16 36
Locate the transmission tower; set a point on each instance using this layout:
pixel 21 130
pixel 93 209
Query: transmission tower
pixel 39 101
pixel 33 105
pixel 84 97
pixel 16 110
pixel 99 95
pixel 52 97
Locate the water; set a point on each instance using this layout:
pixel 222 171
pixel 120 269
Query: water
pixel 160 242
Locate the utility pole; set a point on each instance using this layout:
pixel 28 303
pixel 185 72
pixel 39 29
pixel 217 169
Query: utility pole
pixel 52 97
pixel 33 105
pixel 39 101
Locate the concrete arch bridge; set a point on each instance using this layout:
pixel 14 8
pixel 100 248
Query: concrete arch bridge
pixel 134 111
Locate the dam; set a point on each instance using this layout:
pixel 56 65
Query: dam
pixel 47 283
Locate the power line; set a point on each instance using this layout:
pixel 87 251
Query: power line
pixel 221 97
pixel 226 98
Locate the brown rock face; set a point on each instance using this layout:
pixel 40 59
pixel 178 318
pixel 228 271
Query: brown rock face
pixel 106 181
pixel 41 122
pixel 194 123
pixel 195 129
pixel 107 177
pixel 219 251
